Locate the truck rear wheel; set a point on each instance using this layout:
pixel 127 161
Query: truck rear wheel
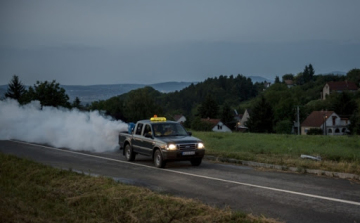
pixel 129 154
pixel 196 162
pixel 158 159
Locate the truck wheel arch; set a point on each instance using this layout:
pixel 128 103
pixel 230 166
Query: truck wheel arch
pixel 125 144
pixel 154 150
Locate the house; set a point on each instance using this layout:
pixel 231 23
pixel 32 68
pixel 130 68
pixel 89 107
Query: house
pixel 338 86
pixel 239 126
pixel 328 121
pixel 217 125
pixel 289 83
pixel 245 117
pixel 179 118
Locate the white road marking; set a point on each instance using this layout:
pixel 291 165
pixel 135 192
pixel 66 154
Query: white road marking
pixel 200 176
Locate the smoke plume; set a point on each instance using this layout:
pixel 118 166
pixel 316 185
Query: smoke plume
pixel 59 127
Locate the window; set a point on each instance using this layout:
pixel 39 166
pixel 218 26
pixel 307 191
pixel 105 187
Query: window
pixel 147 130
pixel 337 130
pixel 343 130
pixel 330 131
pixel 333 119
pixel 138 129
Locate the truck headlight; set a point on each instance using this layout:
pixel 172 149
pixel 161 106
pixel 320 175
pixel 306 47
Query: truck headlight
pixel 200 146
pixel 171 147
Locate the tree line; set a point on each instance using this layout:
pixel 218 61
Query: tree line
pixel 273 109
pixel 48 93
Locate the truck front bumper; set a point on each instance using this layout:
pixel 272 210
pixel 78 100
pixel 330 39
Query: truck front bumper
pixel 183 155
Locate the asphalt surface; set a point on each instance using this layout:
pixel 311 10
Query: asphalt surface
pixel 283 196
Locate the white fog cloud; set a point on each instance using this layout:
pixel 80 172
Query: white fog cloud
pixel 59 127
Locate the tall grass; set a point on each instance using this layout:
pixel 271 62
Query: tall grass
pixel 338 153
pixel 31 192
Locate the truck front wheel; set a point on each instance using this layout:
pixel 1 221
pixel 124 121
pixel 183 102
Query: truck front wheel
pixel 129 154
pixel 158 159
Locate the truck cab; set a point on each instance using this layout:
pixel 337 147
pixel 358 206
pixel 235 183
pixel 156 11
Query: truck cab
pixel 163 141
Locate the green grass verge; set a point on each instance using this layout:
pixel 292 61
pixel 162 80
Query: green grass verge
pixel 338 153
pixel 32 192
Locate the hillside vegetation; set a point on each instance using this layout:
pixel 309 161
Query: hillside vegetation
pixel 221 96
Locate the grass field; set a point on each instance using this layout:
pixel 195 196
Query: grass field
pixel 32 192
pixel 338 153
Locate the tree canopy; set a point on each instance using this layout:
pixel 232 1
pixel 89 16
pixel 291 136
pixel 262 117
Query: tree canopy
pixel 49 94
pixel 15 89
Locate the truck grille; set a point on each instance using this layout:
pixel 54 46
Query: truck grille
pixel 191 146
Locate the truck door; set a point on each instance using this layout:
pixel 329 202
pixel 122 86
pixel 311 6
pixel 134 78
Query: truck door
pixel 137 137
pixel 147 143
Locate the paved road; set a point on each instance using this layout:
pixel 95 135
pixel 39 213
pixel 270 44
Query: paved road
pixel 284 196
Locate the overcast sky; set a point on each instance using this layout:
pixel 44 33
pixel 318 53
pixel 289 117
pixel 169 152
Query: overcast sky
pixel 87 42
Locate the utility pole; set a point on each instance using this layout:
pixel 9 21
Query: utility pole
pixel 298 120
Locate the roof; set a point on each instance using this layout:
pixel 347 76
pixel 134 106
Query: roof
pixel 177 117
pixel 212 121
pixel 342 85
pixel 316 118
pixel 289 82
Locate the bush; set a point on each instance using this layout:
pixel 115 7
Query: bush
pixel 315 132
pixel 283 127
pixel 199 125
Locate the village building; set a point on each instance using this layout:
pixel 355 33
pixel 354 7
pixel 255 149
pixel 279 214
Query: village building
pixel 180 119
pixel 338 86
pixel 217 125
pixel 328 121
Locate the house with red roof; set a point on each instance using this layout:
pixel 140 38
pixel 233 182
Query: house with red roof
pixel 338 86
pixel 217 125
pixel 328 121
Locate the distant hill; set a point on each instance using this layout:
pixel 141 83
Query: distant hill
pixel 340 73
pixel 260 79
pixel 90 93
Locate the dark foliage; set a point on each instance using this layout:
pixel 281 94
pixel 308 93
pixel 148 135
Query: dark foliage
pixel 315 131
pixel 49 94
pixel 261 119
pixel 15 89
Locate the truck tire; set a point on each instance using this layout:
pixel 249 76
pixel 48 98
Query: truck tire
pixel 158 159
pixel 196 162
pixel 129 154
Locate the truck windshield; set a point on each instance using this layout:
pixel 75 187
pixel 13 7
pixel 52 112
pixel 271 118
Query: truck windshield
pixel 169 129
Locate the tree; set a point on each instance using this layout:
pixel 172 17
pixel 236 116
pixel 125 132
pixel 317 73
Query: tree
pixel 354 126
pixel 308 73
pixel 277 80
pixel 343 104
pixel 49 94
pixel 226 114
pixel 15 89
pixel 283 127
pixel 209 108
pixel 77 103
pixel 354 76
pixel 140 104
pixel 311 72
pixel 287 77
pixel 261 118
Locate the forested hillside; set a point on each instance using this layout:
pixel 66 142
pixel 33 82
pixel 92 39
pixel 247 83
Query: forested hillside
pixel 218 97
pixel 144 102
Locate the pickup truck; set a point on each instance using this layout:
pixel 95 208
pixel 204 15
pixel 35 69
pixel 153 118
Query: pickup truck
pixel 163 141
